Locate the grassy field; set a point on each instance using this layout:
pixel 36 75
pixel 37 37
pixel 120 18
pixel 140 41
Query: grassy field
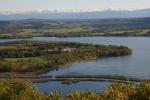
pixel 39 60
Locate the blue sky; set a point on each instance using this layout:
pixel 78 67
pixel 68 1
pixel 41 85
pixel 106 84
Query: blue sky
pixel 29 5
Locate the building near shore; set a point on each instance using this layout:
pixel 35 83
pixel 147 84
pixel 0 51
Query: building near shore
pixel 65 49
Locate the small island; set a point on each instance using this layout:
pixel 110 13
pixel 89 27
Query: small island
pixel 36 57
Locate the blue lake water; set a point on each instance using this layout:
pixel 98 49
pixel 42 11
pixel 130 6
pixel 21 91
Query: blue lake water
pixel 135 65
pixel 81 86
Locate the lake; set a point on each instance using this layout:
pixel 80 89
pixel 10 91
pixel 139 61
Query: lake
pixel 64 88
pixel 135 65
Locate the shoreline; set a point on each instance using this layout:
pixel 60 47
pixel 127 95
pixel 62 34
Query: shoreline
pixel 72 36
pixel 70 78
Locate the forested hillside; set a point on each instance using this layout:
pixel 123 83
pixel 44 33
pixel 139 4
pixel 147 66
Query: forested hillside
pixel 66 28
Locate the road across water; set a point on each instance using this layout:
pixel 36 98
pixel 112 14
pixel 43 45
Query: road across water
pixel 103 78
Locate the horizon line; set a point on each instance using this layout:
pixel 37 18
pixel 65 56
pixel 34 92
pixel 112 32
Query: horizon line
pixel 68 10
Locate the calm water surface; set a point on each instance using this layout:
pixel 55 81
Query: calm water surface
pixel 81 86
pixel 136 65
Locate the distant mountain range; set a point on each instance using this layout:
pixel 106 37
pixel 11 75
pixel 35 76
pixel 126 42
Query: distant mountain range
pixel 77 15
